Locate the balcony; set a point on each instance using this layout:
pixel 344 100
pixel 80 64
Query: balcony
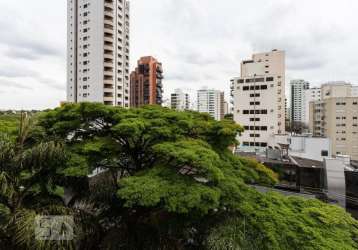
pixel 159 69
pixel 108 94
pixel 108 26
pixel 108 57
pixel 108 31
pixel 108 21
pixel 160 76
pixel 108 87
pixel 108 64
pixel 108 13
pixel 108 39
pixel 108 75
pixel 108 102
pixel 108 69
pixel 108 91
pixel 109 18
pixel 108 48
pixel 108 52
pixel 109 44
pixel 108 5
pixel 106 60
pixel 108 35
pixel 108 82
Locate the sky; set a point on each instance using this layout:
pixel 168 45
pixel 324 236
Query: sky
pixel 200 43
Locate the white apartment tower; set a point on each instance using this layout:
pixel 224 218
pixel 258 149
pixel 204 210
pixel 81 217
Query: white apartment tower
pixel 298 88
pixel 212 102
pixel 98 51
pixel 180 100
pixel 259 98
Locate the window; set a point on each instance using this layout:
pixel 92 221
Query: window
pixel 269 79
pixel 324 153
pixel 255 95
pixel 263 86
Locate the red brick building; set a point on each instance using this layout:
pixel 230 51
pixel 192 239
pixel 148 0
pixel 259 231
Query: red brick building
pixel 146 86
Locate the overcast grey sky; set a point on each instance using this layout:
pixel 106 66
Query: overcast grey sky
pixel 200 42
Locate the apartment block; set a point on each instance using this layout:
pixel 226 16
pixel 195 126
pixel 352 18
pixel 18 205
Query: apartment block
pixel 298 109
pixel 180 100
pixel 311 95
pixel 146 83
pixel 212 102
pixel 336 117
pixel 259 98
pixel 355 90
pixel 98 51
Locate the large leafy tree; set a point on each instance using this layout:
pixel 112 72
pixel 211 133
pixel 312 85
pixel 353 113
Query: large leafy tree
pixel 169 181
pixel 176 179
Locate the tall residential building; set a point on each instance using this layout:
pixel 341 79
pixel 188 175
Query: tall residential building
pixel 259 98
pixel 180 100
pixel 146 83
pixel 311 95
pixel 98 51
pixel 298 88
pixel 355 90
pixel 211 101
pixel 336 117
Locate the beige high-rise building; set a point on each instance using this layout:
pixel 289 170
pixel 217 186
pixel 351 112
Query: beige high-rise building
pixel 336 117
pixel 259 98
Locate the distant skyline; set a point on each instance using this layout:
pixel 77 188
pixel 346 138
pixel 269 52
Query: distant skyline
pixel 200 43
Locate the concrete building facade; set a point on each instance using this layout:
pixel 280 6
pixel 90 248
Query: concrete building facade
pixel 259 98
pixel 180 100
pixel 98 51
pixel 212 102
pixel 297 90
pixel 336 117
pixel 311 95
pixel 146 83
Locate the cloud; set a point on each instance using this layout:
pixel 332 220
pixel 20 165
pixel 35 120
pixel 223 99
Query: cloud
pixel 199 42
pixel 16 74
pixel 4 83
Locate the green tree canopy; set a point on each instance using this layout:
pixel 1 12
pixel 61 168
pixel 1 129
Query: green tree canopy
pixel 169 181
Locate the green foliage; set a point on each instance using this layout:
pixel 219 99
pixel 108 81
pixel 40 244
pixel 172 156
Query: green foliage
pixel 193 154
pixel 9 124
pixel 169 182
pixel 278 222
pixel 162 187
